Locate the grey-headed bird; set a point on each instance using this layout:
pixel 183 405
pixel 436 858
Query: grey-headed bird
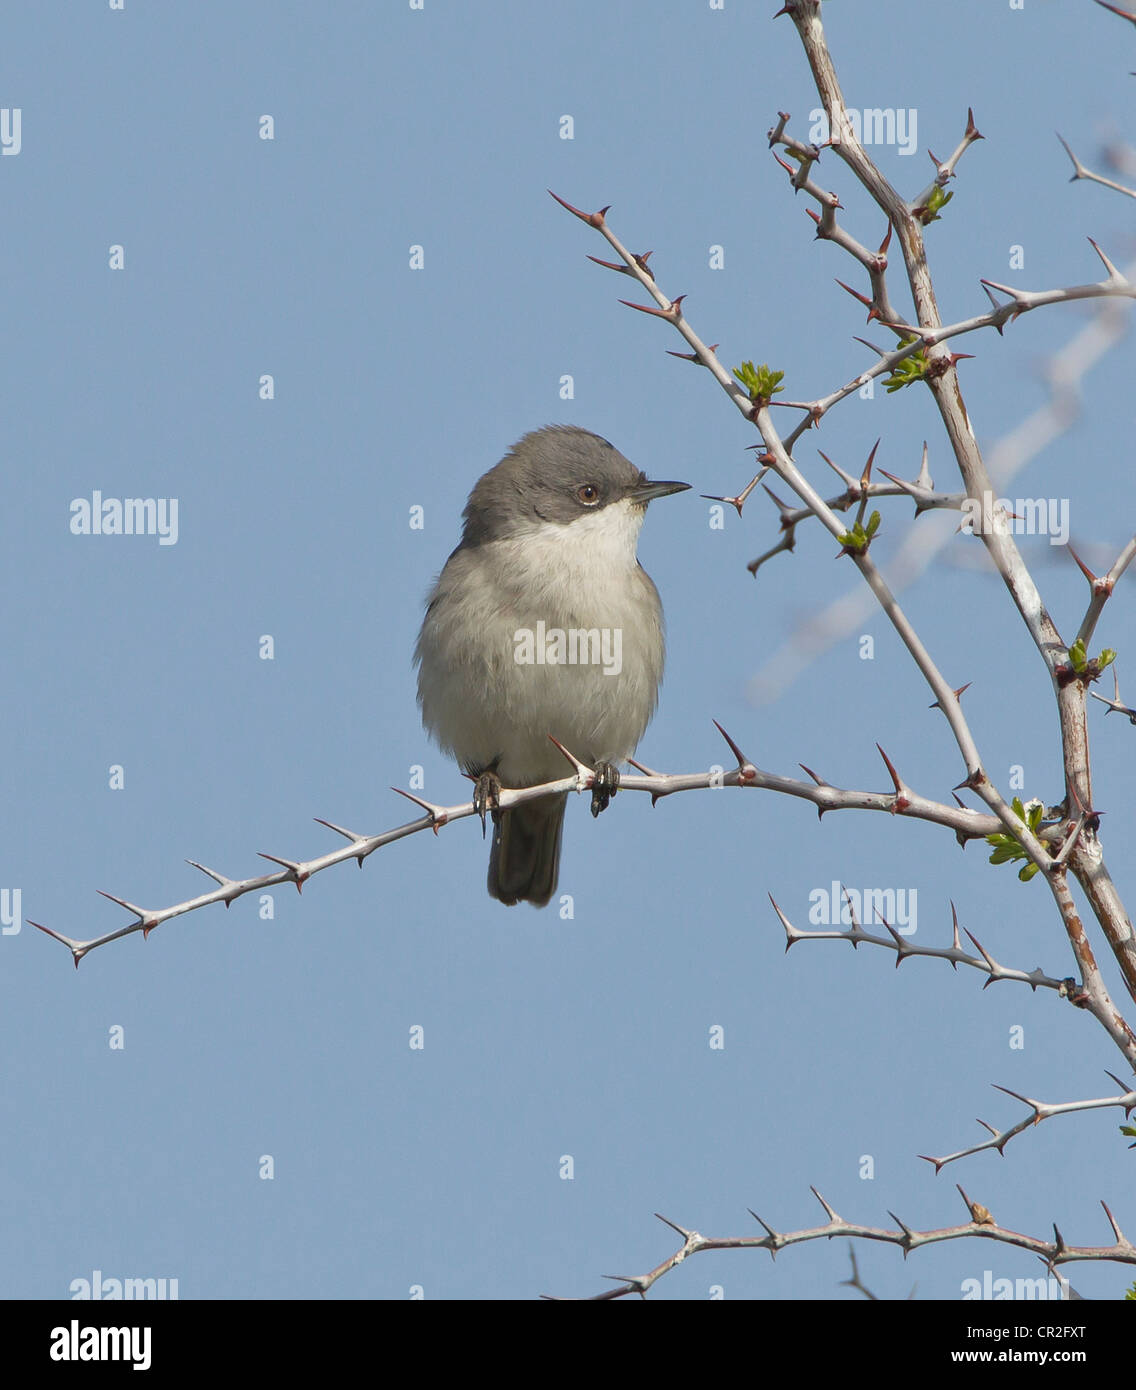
pixel 543 623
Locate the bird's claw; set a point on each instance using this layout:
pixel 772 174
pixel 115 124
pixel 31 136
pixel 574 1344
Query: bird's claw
pixel 605 784
pixel 486 796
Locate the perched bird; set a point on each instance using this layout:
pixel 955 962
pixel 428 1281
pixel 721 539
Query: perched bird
pixel 543 623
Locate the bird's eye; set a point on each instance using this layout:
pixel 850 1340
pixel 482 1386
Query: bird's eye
pixel 588 493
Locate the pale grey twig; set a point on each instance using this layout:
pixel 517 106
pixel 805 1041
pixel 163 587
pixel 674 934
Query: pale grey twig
pixel 981 1226
pixel 1039 1110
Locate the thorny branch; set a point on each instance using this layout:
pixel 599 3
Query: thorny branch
pixel 966 824
pixel 777 459
pixel 1083 853
pixel 1062 374
pixel 981 1225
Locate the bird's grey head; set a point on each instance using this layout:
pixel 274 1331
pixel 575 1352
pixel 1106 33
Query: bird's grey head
pixel 554 475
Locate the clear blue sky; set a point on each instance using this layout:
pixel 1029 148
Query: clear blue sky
pixel 394 389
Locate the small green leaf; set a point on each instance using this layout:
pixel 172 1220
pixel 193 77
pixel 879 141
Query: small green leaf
pixel 910 370
pixel 1007 849
pixel 857 540
pixel 762 383
pixel 934 205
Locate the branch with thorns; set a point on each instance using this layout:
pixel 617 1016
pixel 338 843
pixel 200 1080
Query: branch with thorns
pixel 1039 1110
pixel 777 458
pixel 967 825
pixel 981 1225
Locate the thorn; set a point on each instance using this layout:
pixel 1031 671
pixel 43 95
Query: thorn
pixel 846 478
pixel 908 1233
pixel 986 956
pixel 1124 14
pixel 873 312
pixel 672 314
pixel 1124 1090
pixel 901 799
pixel 1112 1222
pixel 746 770
pixel 851 910
pixel 831 1214
pixel 581 768
pixel 656 797
pixel 818 780
pixel 339 830
pixel 902 948
pixel 739 501
pixel 299 874
pixel 978 1213
pixel 1025 1100
pixel 78 949
pixel 693 357
pixel 936 704
pixel 684 1233
pixel 438 816
pixel 146 920
pixel 865 476
pixel 130 907
pixel 1089 575
pixel 791 932
pixel 1113 273
pixel 593 219
pixel 924 477
pixel 785 510
pixel 613 265
pixel 215 876
pixel 768 1228
pixel 347 834
pixel 938 1162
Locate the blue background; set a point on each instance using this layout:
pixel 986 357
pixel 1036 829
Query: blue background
pixel 395 388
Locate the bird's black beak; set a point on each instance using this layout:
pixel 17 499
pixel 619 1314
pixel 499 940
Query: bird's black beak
pixel 647 491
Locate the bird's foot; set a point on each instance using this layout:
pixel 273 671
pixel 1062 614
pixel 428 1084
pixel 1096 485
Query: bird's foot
pixel 486 796
pixel 605 784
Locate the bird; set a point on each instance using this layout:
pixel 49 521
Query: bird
pixel 543 623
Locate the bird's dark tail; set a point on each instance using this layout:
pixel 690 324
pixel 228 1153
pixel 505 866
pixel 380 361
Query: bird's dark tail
pixel 525 857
